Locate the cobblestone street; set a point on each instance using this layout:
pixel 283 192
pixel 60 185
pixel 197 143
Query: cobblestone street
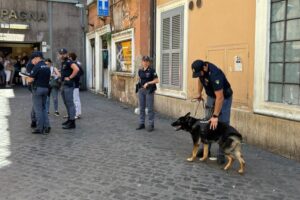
pixel 106 158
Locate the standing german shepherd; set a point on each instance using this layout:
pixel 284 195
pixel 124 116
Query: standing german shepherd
pixel 228 138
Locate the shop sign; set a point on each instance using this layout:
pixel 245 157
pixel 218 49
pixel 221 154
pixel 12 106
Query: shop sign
pixel 12 37
pixel 6 14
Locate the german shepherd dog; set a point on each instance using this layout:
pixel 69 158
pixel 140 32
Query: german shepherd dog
pixel 228 138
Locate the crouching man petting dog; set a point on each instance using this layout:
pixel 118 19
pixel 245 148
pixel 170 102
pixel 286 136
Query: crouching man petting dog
pixel 219 96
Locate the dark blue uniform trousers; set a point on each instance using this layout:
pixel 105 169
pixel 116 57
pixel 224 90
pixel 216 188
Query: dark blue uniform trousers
pixel 224 115
pixel 68 98
pixel 146 100
pixel 33 118
pixel 39 105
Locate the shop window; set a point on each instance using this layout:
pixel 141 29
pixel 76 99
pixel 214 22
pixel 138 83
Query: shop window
pixel 284 60
pixel 123 53
pixel 124 56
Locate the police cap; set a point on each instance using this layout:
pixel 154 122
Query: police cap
pixel 62 51
pixel 36 54
pixel 197 67
pixel 146 59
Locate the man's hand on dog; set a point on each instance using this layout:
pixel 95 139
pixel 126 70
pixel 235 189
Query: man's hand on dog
pixel 213 123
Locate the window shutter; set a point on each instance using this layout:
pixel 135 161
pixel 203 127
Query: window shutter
pixel 165 64
pixel 172 48
pixel 176 51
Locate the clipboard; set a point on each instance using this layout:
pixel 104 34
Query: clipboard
pixel 24 75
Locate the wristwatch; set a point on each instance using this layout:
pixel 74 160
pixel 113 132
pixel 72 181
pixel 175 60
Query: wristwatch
pixel 215 116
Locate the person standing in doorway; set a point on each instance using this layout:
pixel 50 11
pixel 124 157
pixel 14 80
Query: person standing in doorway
pixel 147 81
pixel 69 71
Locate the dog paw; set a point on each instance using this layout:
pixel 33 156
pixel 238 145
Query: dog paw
pixel 241 171
pixel 226 168
pixel 190 159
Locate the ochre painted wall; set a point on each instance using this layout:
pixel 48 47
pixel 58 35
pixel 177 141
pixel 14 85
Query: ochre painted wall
pixel 217 32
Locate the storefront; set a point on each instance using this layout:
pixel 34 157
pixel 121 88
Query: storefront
pixel 45 25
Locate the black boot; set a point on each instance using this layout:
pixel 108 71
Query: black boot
pixel 70 125
pixel 37 131
pixel 221 159
pixel 66 122
pixel 33 124
pixel 140 127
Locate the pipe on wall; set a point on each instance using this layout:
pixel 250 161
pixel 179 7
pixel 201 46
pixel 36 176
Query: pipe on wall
pixel 153 31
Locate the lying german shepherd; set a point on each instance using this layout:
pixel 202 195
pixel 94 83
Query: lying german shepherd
pixel 228 138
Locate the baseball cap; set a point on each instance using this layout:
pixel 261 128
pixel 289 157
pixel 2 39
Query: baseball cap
pixel 197 67
pixel 62 51
pixel 36 54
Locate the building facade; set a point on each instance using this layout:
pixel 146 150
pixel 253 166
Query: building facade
pixel 115 45
pixel 47 25
pixel 255 43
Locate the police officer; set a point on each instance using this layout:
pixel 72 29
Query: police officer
pixel 147 81
pixel 29 67
pixel 219 95
pixel 69 71
pixel 39 79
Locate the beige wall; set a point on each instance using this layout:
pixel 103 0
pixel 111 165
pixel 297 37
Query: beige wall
pixel 219 31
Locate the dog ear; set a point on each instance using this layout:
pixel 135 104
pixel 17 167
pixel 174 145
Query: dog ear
pixel 188 114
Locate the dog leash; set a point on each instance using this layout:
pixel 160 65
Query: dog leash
pixel 198 105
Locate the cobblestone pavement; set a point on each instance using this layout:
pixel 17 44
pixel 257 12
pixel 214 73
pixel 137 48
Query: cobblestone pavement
pixel 106 158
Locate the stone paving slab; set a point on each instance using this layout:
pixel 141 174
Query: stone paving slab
pixel 106 158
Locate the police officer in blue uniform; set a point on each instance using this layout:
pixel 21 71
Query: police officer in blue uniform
pixel 219 95
pixel 69 70
pixel 29 67
pixel 147 86
pixel 39 78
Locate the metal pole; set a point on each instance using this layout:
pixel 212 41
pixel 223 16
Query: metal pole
pixel 50 24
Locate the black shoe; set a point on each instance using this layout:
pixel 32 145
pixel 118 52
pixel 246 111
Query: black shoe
pixel 200 153
pixel 33 125
pixel 56 113
pixel 37 131
pixel 70 125
pixel 66 122
pixel 150 128
pixel 221 159
pixel 141 126
pixel 47 130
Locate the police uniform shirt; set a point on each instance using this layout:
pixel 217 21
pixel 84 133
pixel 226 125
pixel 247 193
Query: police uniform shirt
pixel 147 75
pixel 29 66
pixel 215 80
pixel 66 69
pixel 41 74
